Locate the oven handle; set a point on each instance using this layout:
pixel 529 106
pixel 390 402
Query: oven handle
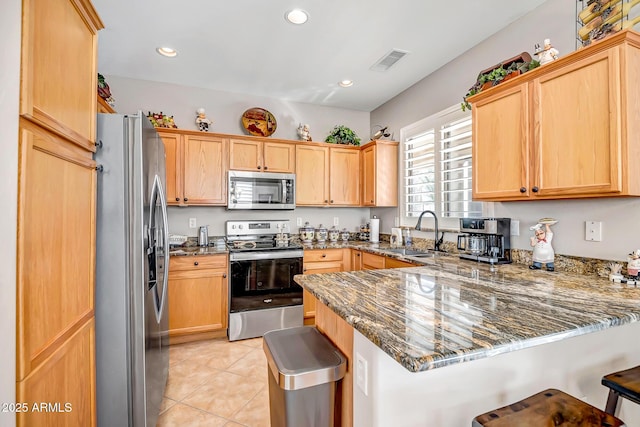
pixel 262 255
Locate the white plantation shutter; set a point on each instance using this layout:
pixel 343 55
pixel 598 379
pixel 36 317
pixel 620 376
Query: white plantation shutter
pixel 437 168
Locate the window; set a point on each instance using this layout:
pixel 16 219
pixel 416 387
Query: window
pixel 437 170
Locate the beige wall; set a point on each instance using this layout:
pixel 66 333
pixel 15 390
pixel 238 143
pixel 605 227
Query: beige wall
pixel 444 88
pixel 9 92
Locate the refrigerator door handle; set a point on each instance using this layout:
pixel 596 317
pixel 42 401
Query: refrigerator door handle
pixel 165 241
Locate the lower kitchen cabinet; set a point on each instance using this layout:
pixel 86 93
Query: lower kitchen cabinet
pixel 197 297
pixel 396 263
pixel 372 261
pixel 356 260
pixel 319 261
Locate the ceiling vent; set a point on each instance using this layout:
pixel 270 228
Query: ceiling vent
pixel 388 60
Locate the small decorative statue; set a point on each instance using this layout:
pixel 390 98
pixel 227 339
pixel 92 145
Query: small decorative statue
pixel 303 132
pixel 547 53
pixel 202 121
pixel 633 264
pixel 542 249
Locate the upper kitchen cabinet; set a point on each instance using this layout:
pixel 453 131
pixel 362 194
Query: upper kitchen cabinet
pixel 380 173
pixel 327 175
pixel 59 76
pixel 260 155
pixel 196 168
pixel 565 130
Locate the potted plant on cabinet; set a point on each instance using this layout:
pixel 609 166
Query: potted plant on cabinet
pixel 341 134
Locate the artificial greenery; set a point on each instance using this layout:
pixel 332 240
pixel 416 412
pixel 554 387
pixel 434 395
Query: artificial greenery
pixel 495 76
pixel 341 134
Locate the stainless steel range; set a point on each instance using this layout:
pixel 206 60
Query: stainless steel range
pixel 262 263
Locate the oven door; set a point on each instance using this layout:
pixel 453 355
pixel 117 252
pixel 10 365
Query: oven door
pixel 264 279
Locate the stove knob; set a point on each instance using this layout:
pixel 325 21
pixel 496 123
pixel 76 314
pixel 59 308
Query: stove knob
pixel 240 226
pixel 233 227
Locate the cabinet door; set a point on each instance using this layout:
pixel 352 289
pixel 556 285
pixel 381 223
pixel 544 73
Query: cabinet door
pixel 308 300
pixel 356 260
pixel 172 149
pixel 501 149
pixel 245 155
pixel 344 169
pixel 59 78
pixel 372 262
pixel 56 244
pixel 369 176
pixel 312 166
pixel 396 263
pixel 578 128
pixel 197 302
pixel 308 308
pixel 204 170
pixel 279 157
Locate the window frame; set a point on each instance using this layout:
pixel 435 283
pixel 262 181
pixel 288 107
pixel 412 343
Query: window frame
pixel 435 122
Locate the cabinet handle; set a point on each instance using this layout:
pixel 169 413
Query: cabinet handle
pixel 304 270
pixel 195 263
pixel 358 254
pixel 326 200
pixel 224 276
pixel 265 168
pixel 186 199
pixel 523 190
pixel 324 255
pixel 259 167
pixel 535 189
pixel 331 201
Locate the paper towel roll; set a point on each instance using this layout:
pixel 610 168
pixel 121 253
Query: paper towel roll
pixel 374 232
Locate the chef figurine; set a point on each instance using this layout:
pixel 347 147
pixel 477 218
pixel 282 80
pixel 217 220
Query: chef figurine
pixel 303 132
pixel 547 53
pixel 202 121
pixel 542 249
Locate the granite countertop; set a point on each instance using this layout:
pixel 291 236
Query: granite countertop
pixel 451 310
pixel 197 250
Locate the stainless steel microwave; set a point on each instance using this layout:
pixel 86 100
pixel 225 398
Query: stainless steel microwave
pixel 261 190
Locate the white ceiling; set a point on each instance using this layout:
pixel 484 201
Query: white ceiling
pixel 246 46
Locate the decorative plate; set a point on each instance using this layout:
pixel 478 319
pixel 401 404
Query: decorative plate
pixel 259 122
pixel 549 221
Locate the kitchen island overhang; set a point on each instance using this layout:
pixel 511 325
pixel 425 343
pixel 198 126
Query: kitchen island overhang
pixel 454 315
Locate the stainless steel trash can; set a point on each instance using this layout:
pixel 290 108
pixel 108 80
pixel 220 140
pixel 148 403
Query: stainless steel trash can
pixel 304 367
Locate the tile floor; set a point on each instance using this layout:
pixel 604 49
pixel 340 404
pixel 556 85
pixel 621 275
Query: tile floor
pixel 217 383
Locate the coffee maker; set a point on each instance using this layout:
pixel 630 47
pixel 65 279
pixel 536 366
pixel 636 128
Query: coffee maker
pixel 485 240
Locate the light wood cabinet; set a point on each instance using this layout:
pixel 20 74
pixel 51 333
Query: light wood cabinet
pixel 319 261
pixel 379 170
pixel 341 335
pixel 198 288
pixel 566 130
pixel 258 155
pixel 103 107
pixel 396 263
pixel 55 277
pixel 372 261
pixel 327 176
pixel 196 168
pixel 356 260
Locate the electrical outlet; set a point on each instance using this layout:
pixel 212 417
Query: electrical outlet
pixel 336 221
pixel 299 222
pixel 515 227
pixel 362 373
pixel 192 223
pixel 593 231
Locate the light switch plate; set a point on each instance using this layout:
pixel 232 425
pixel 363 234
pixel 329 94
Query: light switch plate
pixel 299 222
pixel 593 231
pixel 336 221
pixel 192 223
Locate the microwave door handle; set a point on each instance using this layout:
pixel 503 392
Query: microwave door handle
pixel 284 191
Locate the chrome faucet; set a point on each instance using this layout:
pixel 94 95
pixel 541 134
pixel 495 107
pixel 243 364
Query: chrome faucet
pixel 437 241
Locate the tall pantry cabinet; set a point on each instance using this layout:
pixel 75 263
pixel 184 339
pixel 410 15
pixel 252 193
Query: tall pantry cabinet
pixel 56 214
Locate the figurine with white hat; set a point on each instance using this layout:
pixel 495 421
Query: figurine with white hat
pixel 542 250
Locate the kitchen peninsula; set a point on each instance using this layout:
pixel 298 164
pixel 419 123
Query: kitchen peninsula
pixel 441 343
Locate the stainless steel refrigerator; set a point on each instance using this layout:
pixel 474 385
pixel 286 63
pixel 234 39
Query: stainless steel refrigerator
pixel 132 260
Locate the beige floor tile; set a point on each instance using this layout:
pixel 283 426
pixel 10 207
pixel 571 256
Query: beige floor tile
pixel 166 404
pixel 256 412
pixel 252 342
pixel 185 377
pixel 224 394
pixel 232 424
pixel 220 356
pixel 254 364
pixel 181 415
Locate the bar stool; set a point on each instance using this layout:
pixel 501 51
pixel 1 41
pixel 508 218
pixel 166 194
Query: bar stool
pixel 548 408
pixel 622 383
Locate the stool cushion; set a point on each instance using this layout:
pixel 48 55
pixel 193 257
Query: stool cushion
pixel 547 408
pixel 626 383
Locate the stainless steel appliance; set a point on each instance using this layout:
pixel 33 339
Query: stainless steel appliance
pixel 261 190
pixel 132 260
pixel 262 293
pixel 485 240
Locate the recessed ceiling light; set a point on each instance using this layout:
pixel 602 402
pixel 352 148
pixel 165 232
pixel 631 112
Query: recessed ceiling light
pixel 297 16
pixel 167 51
pixel 346 83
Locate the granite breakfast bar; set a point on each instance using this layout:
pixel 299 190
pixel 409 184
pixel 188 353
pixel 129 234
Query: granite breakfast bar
pixel 441 343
